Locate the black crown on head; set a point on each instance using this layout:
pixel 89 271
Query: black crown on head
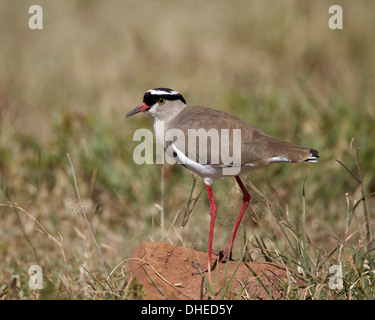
pixel 153 95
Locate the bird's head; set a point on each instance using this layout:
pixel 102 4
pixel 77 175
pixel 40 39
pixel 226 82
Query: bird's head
pixel 160 103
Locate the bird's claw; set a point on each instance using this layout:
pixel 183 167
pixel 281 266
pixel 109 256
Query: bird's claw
pixel 223 255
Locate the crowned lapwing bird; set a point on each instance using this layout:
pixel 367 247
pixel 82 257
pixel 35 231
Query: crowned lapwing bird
pixel 214 145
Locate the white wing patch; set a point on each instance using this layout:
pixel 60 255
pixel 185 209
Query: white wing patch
pixel 207 172
pixel 278 159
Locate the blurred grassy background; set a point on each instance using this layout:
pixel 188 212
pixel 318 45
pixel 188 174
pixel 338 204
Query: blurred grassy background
pixel 66 89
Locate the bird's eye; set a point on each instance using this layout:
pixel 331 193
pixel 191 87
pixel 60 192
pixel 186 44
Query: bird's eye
pixel 161 100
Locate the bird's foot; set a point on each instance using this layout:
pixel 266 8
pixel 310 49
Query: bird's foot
pixel 224 255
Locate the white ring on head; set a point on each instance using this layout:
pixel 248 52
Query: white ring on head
pixel 161 92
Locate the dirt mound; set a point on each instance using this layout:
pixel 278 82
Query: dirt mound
pixel 165 272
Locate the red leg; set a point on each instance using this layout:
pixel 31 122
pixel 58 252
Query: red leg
pixel 212 225
pixel 245 202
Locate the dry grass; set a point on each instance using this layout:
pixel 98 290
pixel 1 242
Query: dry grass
pixel 66 88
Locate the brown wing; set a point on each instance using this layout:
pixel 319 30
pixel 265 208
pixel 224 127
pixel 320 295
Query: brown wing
pixel 256 147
